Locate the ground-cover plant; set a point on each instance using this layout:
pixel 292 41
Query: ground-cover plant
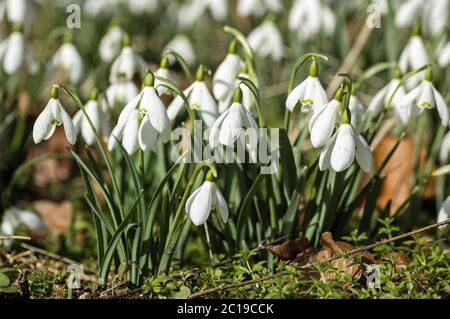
pixel 178 162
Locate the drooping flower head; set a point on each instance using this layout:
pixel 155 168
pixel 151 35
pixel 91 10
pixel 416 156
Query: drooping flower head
pixel 128 63
pixel 111 43
pixel 142 121
pixel 344 146
pixel 230 125
pixel 52 116
pixel 266 41
pixel 425 96
pixel 183 46
pixel 224 80
pixel 413 56
pixel 98 118
pixel 382 97
pixel 68 59
pixel 309 94
pixel 16 53
pixel 163 72
pixel 200 99
pixel 203 200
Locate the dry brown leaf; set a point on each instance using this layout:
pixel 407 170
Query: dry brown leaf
pixel 57 216
pixel 290 249
pixel 345 264
pixel 401 259
pixel 399 171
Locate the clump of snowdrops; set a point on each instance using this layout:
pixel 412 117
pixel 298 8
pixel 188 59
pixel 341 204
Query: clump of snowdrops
pixel 148 190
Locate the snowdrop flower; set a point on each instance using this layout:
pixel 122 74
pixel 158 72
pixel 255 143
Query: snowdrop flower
pixel 121 92
pixel 444 212
pixel 266 41
pixel 163 72
pixel 258 8
pixel 381 98
pixel 229 126
pixel 110 44
pixel 407 12
pixel 342 149
pixel 191 12
pixel 53 115
pixel 444 56
pixel 413 56
pixel 357 110
pixel 14 217
pixel 100 7
pixel 127 64
pixel 425 96
pixel 17 10
pixel 154 121
pixel 436 16
pixel 224 80
pixel 322 123
pixel 445 148
pixel 200 99
pixel 308 17
pixel 203 200
pixel 98 118
pixel 138 7
pixel 68 59
pixel 15 53
pixel 183 46
pixel 310 93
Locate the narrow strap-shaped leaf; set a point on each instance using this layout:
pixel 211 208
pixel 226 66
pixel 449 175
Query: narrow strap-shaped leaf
pixel 245 207
pixel 110 251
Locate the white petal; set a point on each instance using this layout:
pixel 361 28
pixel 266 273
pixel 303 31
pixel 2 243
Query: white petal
pixel 43 126
pixel 325 154
pixel 147 135
pixel 323 125
pixel 343 152
pixel 201 205
pixel 131 105
pixel 208 106
pixel 441 107
pixel 411 96
pixel 221 205
pixel 363 153
pixel 14 54
pixel 376 105
pixel 296 96
pixel 231 126
pixel 444 212
pixel 69 129
pixel 445 148
pixel 156 110
pixel 116 134
pixel 130 133
pixel 444 56
pixel 191 198
pixel 77 120
pixel 215 129
pixel 225 76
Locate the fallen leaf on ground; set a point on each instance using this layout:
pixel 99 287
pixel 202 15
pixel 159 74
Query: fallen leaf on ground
pixel 289 250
